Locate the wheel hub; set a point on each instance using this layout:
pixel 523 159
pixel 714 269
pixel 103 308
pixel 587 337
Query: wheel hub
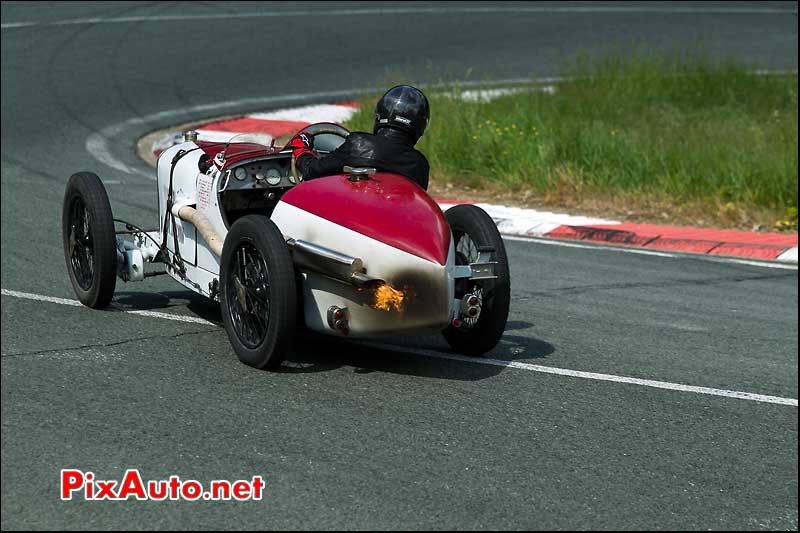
pixel 241 293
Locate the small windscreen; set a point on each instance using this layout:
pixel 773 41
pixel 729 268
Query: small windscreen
pixel 327 142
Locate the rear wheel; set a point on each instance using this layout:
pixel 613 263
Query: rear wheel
pixel 90 246
pixel 257 292
pixel 477 240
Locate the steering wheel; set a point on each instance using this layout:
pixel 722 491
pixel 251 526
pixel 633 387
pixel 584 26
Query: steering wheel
pixel 314 130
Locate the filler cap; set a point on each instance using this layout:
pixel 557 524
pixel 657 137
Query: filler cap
pixel 359 173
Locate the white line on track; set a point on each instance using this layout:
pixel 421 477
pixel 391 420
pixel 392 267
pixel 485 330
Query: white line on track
pixel 640 251
pixel 592 375
pixel 678 387
pixel 9 25
pixel 597 9
pixel 115 307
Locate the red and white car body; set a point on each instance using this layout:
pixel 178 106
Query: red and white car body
pixel 388 221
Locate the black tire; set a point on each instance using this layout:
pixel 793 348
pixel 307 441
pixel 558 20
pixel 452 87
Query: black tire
pixel 256 263
pixel 90 244
pixel 481 336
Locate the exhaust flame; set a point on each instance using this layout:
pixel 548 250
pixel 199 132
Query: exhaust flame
pixel 387 298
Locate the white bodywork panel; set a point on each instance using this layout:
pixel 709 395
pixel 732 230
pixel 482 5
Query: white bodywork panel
pixel 193 188
pixel 429 285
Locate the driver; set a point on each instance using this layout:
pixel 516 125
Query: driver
pixel 401 116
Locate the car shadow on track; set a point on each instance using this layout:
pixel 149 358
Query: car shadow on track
pixel 417 357
pixel 520 347
pixel 152 301
pixel 315 352
pixel 327 354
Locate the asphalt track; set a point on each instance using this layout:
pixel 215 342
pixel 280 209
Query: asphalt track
pixel 355 436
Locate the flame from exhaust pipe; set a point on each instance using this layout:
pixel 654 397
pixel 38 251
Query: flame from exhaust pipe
pixel 388 298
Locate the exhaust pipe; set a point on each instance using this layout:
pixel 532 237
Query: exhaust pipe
pixel 470 307
pixel 330 263
pixel 204 227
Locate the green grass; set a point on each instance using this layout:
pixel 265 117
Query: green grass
pixel 639 132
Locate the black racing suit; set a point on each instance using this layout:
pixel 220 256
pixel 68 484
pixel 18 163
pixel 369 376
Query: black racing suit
pixel 388 150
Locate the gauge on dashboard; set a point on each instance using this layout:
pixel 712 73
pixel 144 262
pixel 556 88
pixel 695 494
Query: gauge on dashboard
pixel 273 176
pixel 240 173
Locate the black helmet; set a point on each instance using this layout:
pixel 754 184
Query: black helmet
pixel 404 108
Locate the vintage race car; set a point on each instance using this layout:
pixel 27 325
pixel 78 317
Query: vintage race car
pixel 360 254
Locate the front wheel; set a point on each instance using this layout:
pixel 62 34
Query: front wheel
pixel 477 240
pixel 90 244
pixel 257 292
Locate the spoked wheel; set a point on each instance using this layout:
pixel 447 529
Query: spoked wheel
pixel 477 240
pixel 87 228
pixel 248 294
pixel 258 292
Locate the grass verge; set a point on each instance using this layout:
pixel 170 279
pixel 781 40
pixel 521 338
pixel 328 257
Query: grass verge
pixel 679 138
